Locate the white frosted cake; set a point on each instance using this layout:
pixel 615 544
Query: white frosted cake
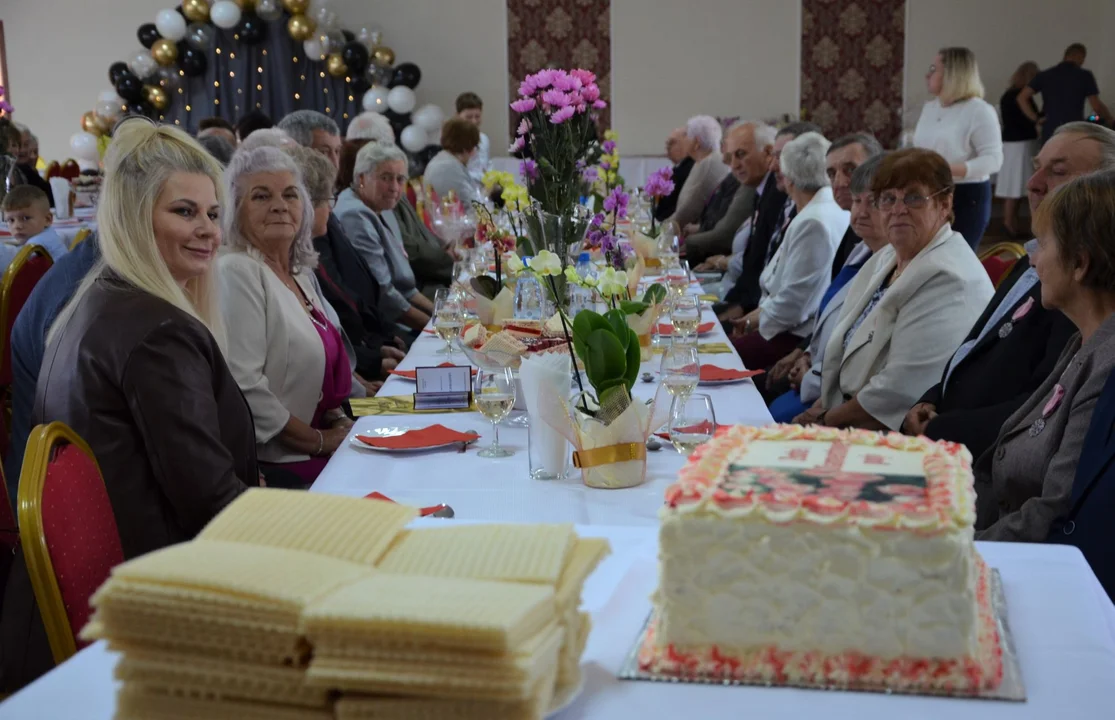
pixel 815 556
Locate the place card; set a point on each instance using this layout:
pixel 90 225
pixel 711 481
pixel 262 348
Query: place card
pixel 443 388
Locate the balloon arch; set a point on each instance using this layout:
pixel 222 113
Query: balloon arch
pixel 182 49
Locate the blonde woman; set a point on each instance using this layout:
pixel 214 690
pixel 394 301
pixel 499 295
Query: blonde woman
pixel 1020 143
pixel 963 129
pixel 134 362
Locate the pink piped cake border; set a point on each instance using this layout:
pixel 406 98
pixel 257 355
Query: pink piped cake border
pixel 854 671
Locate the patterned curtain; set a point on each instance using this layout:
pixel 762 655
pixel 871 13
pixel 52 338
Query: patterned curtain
pixel 852 56
pixel 563 34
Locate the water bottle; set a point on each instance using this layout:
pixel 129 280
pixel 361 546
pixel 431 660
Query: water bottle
pixel 529 297
pixel 581 298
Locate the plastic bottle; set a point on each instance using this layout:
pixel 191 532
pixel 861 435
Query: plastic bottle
pixel 529 297
pixel 581 298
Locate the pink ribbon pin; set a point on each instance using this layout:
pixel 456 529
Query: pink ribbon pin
pixel 1023 309
pixel 1058 396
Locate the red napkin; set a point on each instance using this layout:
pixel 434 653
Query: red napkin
pixel 667 330
pixel 413 374
pixel 712 373
pixel 424 512
pixel 417 439
pixel 694 428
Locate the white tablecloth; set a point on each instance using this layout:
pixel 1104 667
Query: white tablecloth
pixel 501 490
pixel 635 170
pixel 1063 625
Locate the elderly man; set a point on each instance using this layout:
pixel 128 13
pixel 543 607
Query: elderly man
pixel 846 154
pixel 677 152
pixel 1016 342
pixel 703 135
pixel 747 147
pixel 217 127
pixel 316 131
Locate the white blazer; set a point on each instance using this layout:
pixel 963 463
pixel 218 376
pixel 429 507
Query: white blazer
pixel 900 349
pixel 796 278
pixel 274 351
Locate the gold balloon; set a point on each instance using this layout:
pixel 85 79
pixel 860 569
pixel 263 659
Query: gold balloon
pixel 246 4
pixel 296 7
pixel 301 28
pixel 91 124
pixel 156 96
pixel 336 65
pixel 383 56
pixel 165 52
pixel 196 10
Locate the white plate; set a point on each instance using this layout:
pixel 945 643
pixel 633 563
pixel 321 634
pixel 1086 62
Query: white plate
pixel 395 432
pixel 561 702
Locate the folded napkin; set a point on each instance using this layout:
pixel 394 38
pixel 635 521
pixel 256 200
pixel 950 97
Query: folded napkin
pixel 717 348
pixel 667 330
pixel 703 427
pixel 413 374
pixel 427 437
pixel 423 512
pixel 712 373
pixel 391 405
pixel 709 298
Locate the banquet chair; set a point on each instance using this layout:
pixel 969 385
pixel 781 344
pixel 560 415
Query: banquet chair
pixel 20 278
pixel 999 259
pixel 82 235
pixel 67 530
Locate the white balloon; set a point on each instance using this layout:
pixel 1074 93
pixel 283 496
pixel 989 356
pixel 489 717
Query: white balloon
pixel 429 118
pixel 171 25
pixel 142 64
pixel 269 10
pixel 375 100
pixel 84 146
pixel 370 35
pixel 314 50
pixel 413 138
pixel 225 14
pixel 110 96
pixel 109 110
pixel 401 99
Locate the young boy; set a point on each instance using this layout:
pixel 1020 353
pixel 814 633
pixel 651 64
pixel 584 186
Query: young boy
pixel 27 213
pixel 471 108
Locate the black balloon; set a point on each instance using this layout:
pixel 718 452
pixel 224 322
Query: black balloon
pixel 192 62
pixel 399 121
pixel 349 35
pixel 356 57
pixel 251 29
pixel 130 88
pixel 360 85
pixel 138 108
pixel 117 71
pixel 148 34
pixel 426 154
pixel 407 75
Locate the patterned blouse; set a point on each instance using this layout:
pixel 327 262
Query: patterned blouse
pixel 866 311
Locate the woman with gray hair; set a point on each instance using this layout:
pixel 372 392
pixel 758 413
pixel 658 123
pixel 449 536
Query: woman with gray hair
pixel 283 338
pixel 378 182
pixel 795 279
pixel 703 135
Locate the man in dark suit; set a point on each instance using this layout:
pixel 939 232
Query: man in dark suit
pixel 676 150
pixel 1016 342
pixel 845 155
pixel 1088 524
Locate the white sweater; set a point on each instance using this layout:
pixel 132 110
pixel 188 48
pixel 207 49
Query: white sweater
pixel 967 132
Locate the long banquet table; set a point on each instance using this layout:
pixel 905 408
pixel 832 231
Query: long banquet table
pixel 501 490
pixel 1063 625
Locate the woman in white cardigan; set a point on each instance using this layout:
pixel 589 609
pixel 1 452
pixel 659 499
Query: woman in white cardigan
pixel 284 349
pixel 910 306
pixel 797 275
pixel 704 135
pixel 964 129
pixel 447 172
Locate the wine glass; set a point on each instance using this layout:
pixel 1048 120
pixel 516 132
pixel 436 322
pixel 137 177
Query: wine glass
pixel 677 278
pixel 449 319
pixel 494 394
pixel 685 315
pixel 692 422
pixel 681 369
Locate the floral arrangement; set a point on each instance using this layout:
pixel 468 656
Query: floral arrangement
pixel 602 230
pixel 504 191
pixel 559 126
pixel 609 350
pixel 604 178
pixel 659 185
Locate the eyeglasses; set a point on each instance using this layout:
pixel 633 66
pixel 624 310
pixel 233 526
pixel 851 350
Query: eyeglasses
pixel 888 200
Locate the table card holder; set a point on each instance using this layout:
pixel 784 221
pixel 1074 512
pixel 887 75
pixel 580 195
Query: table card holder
pixel 443 388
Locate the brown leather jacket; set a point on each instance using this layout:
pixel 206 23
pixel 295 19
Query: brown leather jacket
pixel 147 387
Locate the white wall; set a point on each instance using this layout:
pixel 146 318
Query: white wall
pixel 671 60
pixel 1004 34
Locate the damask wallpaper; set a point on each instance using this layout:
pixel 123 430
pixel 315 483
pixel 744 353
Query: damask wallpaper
pixel 563 34
pixel 852 66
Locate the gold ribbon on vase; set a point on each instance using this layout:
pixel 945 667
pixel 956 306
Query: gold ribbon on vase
pixel 609 454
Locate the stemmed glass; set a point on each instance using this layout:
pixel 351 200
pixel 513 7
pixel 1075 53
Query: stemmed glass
pixel 677 278
pixel 692 422
pixel 686 318
pixel 681 369
pixel 449 319
pixel 493 391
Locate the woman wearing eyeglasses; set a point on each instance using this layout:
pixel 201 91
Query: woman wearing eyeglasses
pixel 908 308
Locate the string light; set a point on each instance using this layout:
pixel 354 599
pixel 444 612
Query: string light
pixel 297 96
pixel 216 83
pixel 231 74
pixel 323 75
pixel 218 51
pixel 346 116
pixel 216 102
pixel 232 56
pixel 259 88
pixel 328 110
pixel 264 53
pixel 189 109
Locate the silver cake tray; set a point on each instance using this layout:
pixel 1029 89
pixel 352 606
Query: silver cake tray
pixel 1011 687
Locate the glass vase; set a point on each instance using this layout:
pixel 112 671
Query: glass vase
pixel 557 232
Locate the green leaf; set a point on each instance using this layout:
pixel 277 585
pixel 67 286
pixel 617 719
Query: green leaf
pixel 583 325
pixel 634 359
pixel 655 294
pixel 486 285
pixel 607 358
pixel 618 320
pixel 633 307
